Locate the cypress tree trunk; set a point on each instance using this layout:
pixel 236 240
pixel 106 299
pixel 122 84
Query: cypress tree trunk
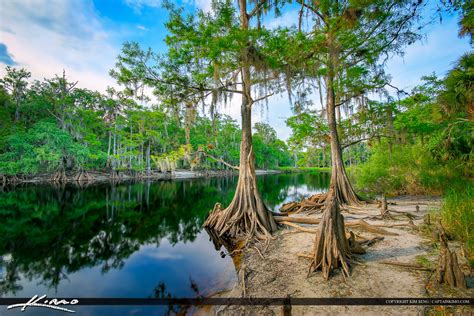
pixel 148 161
pixel 342 188
pixel 246 216
pixel 331 247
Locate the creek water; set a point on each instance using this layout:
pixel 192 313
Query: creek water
pixel 127 240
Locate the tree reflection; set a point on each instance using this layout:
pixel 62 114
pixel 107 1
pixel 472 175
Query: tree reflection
pixel 48 232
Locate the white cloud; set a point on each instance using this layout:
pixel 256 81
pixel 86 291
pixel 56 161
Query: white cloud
pixel 138 5
pixel 204 5
pixel 142 28
pixel 287 19
pixel 47 36
pixel 436 53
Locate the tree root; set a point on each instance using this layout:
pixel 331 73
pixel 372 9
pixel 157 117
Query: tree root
pixel 300 228
pixel 305 255
pixel 59 176
pixel 361 224
pixel 406 265
pixel 242 280
pixel 331 247
pixel 313 203
pixel 301 220
pixel 370 228
pixel 83 176
pixel 370 242
pixel 448 270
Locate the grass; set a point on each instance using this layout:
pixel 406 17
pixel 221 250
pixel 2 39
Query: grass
pixel 423 261
pixel 457 215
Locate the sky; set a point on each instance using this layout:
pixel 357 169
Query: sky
pixel 84 37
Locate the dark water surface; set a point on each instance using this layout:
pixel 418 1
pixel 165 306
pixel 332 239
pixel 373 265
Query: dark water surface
pixel 133 240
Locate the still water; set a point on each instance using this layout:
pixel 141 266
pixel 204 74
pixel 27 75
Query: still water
pixel 134 240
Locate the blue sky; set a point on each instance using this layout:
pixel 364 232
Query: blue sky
pixel 85 36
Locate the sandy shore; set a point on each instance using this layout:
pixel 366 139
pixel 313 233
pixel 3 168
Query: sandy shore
pixel 284 271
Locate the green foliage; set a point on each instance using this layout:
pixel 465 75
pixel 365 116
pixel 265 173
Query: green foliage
pixel 403 169
pixel 432 142
pixel 457 213
pixel 66 128
pixel 270 152
pixel 44 147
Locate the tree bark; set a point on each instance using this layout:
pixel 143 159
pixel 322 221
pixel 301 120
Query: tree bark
pixel 331 247
pixel 246 216
pixel 339 185
pixel 148 162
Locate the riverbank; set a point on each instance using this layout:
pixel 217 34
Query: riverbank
pixel 304 169
pixel 97 176
pixel 403 242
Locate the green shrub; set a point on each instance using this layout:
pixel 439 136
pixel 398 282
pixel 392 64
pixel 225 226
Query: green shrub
pixel 403 169
pixel 457 213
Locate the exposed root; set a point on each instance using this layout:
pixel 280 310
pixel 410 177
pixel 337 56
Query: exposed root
pixel 83 176
pixel 354 246
pixel 305 255
pixel 300 228
pixel 242 280
pixel 115 174
pixel 246 217
pixel 370 228
pixel 331 249
pixel 360 224
pixel 301 220
pixel 370 242
pixel 384 212
pixel 406 265
pixel 260 254
pixel 448 270
pixel 313 203
pixel 59 176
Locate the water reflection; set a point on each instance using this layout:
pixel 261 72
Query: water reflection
pixel 123 240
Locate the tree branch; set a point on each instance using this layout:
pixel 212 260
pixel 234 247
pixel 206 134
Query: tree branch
pixel 257 8
pixel 362 139
pixel 218 160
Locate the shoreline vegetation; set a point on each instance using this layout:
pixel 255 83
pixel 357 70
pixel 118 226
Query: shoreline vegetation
pixel 98 176
pixel 166 118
